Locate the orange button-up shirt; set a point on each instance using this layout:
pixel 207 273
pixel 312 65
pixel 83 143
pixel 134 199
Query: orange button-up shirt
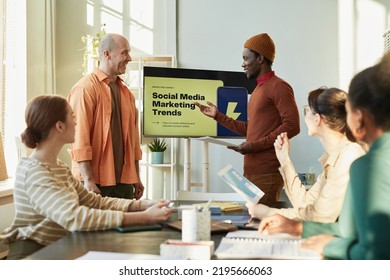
pixel 90 99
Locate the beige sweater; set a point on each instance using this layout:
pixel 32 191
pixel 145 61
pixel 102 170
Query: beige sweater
pixel 324 200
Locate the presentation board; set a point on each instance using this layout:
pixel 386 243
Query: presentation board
pixel 169 95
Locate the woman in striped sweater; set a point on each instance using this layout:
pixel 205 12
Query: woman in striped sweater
pixel 49 201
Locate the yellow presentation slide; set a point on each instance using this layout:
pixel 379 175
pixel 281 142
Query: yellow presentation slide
pixel 169 107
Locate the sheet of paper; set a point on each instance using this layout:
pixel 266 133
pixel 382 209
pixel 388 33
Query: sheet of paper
pixel 258 235
pixel 240 184
pixel 100 255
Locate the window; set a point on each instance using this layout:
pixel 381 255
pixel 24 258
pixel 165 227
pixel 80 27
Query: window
pixel 2 68
pixel 135 19
pixel 12 76
pixel 148 24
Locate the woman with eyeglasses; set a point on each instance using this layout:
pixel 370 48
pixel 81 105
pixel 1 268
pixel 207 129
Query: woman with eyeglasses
pixel 363 228
pixel 325 117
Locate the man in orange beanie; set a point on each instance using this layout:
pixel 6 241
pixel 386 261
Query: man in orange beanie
pixel 271 110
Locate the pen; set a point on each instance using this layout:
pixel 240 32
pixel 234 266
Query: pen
pixel 207 207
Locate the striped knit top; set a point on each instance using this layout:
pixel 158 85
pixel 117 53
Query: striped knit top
pixel 50 203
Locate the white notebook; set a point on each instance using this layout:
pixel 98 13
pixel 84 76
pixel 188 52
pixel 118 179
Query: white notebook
pixel 244 244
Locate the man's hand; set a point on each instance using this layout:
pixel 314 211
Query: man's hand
pixel 210 111
pixel 88 177
pixel 244 148
pixel 91 186
pixel 138 190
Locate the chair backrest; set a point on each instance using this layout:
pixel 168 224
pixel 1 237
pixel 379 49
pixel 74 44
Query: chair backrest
pixel 203 196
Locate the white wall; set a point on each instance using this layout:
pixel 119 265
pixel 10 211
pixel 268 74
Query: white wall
pixel 318 43
pixel 309 53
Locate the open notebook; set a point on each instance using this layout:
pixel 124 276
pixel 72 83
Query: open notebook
pixel 244 244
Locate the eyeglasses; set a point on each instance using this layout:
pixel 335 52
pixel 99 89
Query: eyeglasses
pixel 306 109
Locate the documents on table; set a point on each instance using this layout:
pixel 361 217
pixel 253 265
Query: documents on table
pixel 100 255
pixel 224 206
pixel 253 245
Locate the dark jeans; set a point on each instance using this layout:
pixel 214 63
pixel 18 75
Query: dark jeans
pixel 22 248
pixel 119 190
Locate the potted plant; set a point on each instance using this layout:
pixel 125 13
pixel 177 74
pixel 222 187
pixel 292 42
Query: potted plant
pixel 91 48
pixel 157 147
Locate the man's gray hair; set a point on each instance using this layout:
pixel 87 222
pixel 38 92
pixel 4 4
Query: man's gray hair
pixel 108 42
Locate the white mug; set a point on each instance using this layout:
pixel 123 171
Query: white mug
pixel 195 225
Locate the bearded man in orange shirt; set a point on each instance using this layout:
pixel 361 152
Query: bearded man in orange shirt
pixel 106 151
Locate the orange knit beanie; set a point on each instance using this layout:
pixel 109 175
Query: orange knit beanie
pixel 262 44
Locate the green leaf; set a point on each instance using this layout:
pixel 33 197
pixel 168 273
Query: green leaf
pixel 157 145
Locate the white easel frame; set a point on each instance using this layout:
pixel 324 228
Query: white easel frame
pixel 187 167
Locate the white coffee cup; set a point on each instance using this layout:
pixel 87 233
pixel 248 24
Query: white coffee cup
pixel 189 225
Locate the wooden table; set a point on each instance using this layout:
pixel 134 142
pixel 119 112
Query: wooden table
pixel 79 243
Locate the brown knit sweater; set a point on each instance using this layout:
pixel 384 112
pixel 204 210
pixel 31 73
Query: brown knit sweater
pixel 271 110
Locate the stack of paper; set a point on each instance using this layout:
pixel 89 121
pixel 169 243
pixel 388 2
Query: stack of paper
pixel 100 255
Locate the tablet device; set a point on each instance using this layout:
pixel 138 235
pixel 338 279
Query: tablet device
pixel 138 228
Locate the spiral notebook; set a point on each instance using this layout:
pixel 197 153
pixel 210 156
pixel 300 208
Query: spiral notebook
pixel 245 244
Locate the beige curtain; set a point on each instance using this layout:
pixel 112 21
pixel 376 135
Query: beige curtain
pixel 50 24
pixel 3 168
